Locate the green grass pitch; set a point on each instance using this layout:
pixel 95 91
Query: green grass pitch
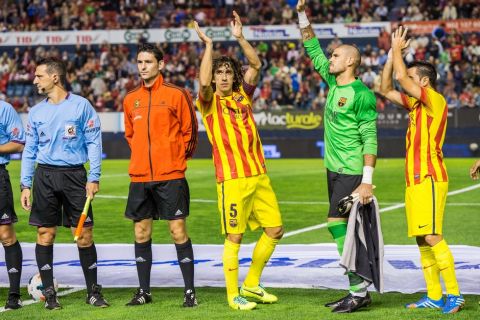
pixel 297 183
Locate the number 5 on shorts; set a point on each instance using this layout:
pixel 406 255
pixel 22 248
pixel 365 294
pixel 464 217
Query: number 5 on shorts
pixel 233 210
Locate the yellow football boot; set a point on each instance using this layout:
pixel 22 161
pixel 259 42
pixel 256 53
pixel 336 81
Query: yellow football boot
pixel 258 293
pixel 240 303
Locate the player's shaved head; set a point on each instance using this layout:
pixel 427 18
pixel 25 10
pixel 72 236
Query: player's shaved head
pixel 345 59
pixel 352 52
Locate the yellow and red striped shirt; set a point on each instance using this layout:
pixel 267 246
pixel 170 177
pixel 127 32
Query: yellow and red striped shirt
pixel 236 146
pixel 425 136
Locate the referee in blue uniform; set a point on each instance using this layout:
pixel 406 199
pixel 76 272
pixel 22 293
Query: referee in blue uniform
pixel 62 134
pixel 12 139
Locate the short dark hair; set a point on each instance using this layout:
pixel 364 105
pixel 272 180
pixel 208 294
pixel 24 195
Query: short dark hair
pixel 232 63
pixel 55 65
pixel 425 69
pixel 151 48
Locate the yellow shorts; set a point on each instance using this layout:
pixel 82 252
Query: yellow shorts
pixel 425 205
pixel 247 200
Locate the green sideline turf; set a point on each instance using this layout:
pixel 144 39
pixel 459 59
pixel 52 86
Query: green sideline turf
pixel 294 180
pixel 294 304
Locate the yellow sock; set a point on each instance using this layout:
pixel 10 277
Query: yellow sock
pixel 445 263
pixel 230 268
pixel 261 254
pixel 431 272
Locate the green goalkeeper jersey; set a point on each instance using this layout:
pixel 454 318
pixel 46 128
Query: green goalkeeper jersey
pixel 349 118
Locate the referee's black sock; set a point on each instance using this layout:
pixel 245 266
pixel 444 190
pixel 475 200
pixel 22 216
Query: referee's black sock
pixel 13 261
pixel 143 257
pixel 185 260
pixel 44 255
pixel 88 260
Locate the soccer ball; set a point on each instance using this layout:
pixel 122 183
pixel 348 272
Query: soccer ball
pixel 35 287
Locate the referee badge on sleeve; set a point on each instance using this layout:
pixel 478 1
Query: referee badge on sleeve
pixel 70 131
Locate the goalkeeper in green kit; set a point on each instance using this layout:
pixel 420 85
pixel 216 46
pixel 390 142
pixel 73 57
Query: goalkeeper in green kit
pixel 350 143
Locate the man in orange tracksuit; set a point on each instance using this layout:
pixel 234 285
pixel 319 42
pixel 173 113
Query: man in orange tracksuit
pixel 161 129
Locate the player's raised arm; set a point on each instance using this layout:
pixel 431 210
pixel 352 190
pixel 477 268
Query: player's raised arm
pixel 312 46
pixel 399 41
pixel 386 87
pixel 254 63
pixel 305 26
pixel 205 74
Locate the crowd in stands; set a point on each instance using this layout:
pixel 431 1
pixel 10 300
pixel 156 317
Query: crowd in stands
pixel 106 73
pixel 289 81
pixel 37 15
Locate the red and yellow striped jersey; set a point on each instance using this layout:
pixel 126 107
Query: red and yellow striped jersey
pixel 425 135
pixel 237 149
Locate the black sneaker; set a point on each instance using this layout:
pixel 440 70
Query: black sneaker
pixel 13 302
pixel 51 300
pixel 334 304
pixel 95 298
pixel 189 299
pixel 353 303
pixel 140 297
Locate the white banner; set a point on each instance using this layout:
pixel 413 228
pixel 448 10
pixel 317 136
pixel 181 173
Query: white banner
pixel 270 32
pixel 291 266
pixel 113 121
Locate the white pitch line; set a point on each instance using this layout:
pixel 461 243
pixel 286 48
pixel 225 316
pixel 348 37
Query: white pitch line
pixel 397 206
pixel 60 294
pixel 106 196
pixel 115 175
pixel 311 228
pixel 394 206
pixel 463 204
pixel 475 186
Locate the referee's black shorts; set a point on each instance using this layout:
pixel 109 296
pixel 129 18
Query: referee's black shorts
pixel 166 200
pixel 340 186
pixel 59 196
pixel 7 210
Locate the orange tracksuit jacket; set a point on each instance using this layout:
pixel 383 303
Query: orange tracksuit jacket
pixel 161 130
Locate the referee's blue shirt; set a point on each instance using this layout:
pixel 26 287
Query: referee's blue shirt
pixel 11 128
pixel 64 134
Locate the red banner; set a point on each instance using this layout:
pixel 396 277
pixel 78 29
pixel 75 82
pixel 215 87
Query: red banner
pixel 426 27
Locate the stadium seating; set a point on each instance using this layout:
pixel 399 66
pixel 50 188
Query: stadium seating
pixel 295 86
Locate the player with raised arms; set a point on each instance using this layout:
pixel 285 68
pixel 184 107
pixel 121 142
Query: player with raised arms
pixel 425 171
pixel 350 143
pixel 245 194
